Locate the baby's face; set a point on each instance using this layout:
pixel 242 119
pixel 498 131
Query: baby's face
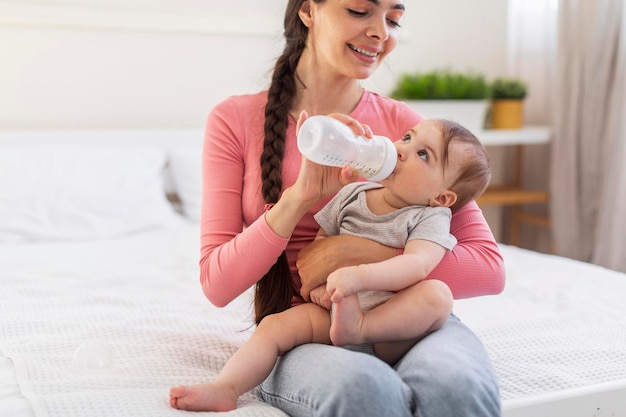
pixel 420 175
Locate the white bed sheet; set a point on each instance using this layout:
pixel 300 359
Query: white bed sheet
pixel 138 300
pixel 559 327
pixel 556 333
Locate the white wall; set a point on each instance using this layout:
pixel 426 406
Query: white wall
pixel 72 64
pixel 164 64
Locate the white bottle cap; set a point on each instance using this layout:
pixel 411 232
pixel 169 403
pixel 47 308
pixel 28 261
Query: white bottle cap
pixel 391 158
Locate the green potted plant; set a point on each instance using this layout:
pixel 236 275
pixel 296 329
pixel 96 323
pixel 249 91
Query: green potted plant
pixel 444 93
pixel 507 103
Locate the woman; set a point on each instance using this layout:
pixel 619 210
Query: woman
pixel 251 162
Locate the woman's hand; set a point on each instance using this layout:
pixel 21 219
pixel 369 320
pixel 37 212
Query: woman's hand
pixel 323 256
pixel 317 181
pixel 313 183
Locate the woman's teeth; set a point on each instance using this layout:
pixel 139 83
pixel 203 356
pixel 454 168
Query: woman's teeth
pixel 363 51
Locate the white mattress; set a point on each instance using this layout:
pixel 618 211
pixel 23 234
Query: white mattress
pixel 559 327
pixel 556 333
pixel 136 303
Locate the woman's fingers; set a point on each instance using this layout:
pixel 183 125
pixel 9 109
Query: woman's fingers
pixel 301 118
pixel 357 127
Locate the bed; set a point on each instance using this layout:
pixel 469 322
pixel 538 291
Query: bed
pixel 101 309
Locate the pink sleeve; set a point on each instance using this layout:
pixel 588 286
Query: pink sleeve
pixel 233 267
pixel 234 256
pixel 474 267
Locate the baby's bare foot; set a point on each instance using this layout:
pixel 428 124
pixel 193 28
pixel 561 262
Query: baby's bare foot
pixel 347 321
pixel 203 397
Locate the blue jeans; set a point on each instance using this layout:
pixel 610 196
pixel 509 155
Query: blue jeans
pixel 446 374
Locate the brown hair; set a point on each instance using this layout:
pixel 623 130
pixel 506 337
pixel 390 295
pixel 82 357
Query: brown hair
pixel 475 172
pixel 276 289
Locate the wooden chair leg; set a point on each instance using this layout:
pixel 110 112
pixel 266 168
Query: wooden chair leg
pixel 515 230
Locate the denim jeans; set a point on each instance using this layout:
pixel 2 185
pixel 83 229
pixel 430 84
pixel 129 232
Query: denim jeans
pixel 446 374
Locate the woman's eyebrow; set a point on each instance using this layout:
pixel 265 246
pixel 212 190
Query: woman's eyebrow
pixel 398 6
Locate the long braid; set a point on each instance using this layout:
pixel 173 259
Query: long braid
pixel 275 290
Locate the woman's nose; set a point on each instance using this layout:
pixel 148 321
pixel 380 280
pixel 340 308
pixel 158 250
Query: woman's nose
pixel 379 30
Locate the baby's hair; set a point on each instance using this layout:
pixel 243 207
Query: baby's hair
pixel 475 171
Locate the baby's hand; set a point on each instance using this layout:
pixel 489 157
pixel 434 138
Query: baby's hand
pixel 320 296
pixel 343 282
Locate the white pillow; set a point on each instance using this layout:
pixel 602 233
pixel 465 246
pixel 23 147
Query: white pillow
pixel 81 192
pixel 186 171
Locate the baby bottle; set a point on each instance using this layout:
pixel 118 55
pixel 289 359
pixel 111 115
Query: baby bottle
pixel 327 141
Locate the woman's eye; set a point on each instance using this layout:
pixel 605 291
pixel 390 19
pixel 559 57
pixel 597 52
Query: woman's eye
pixel 357 13
pixel 423 154
pixel 394 23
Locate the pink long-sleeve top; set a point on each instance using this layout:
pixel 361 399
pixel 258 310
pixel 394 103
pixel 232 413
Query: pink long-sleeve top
pixel 237 245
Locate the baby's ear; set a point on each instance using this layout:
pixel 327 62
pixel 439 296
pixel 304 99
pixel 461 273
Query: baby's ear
pixel 446 198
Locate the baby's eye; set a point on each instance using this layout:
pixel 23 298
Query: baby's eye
pixel 423 154
pixel 406 138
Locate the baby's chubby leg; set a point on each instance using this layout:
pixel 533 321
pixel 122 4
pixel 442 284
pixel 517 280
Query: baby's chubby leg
pixel 250 365
pixel 408 315
pixel 347 322
pixel 347 319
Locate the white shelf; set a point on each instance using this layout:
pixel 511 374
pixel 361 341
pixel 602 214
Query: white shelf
pixel 529 135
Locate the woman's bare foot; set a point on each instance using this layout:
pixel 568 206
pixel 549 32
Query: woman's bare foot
pixel 203 397
pixel 347 322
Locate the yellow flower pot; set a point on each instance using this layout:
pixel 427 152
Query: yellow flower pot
pixel 507 114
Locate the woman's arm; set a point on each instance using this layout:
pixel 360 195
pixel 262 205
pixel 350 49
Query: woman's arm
pixel 472 268
pixel 234 257
pixel 475 266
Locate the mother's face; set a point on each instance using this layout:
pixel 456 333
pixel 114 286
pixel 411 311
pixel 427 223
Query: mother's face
pixel 352 36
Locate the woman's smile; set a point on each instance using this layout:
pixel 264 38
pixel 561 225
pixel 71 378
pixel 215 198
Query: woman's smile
pixel 365 52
